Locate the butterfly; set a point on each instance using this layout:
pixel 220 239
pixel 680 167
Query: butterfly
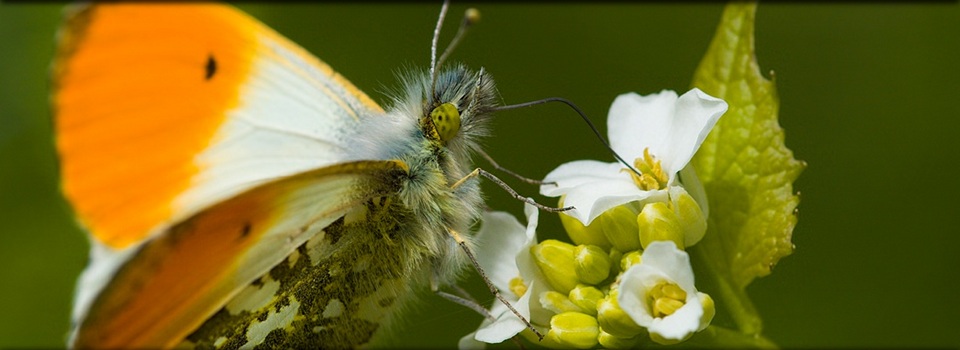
pixel 238 191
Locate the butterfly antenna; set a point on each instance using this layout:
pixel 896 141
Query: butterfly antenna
pixel 433 44
pixel 470 17
pixel 582 115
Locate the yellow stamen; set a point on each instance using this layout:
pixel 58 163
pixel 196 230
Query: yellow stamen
pixel 518 287
pixel 664 307
pixel 651 175
pixel 673 291
pixel 666 298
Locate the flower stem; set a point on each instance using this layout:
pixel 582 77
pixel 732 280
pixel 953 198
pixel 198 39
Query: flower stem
pixel 733 299
pixel 720 337
pixel 738 304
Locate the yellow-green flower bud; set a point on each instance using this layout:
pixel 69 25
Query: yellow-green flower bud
pixel 555 260
pixel 586 297
pixel 693 223
pixel 593 264
pixel 557 302
pixel 574 330
pixel 658 222
pixel 629 259
pixel 620 227
pixel 581 234
pixel 611 341
pixel 614 320
pixel 709 310
pixel 615 256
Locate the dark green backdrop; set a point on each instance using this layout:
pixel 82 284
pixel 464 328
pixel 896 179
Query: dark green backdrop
pixel 868 100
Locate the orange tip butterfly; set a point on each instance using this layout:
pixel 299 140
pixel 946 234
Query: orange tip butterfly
pixel 239 192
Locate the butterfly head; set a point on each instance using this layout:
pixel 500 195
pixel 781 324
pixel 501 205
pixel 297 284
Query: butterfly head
pixel 455 109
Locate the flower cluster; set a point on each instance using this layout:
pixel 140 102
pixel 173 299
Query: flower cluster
pixel 625 277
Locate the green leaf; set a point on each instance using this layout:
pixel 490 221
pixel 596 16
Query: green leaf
pixel 745 167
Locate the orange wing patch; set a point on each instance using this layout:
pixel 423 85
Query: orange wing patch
pixel 135 104
pixel 174 278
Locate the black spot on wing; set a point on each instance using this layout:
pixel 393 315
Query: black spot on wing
pixel 211 67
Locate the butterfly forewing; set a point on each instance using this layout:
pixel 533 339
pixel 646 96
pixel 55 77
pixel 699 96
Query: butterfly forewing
pixel 164 109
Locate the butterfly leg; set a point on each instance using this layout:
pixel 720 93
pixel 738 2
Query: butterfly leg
pixel 493 289
pixel 507 188
pixel 468 303
pixel 464 299
pixel 511 173
pixel 461 297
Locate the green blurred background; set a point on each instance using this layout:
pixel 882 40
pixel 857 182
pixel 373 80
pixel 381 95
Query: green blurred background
pixel 868 97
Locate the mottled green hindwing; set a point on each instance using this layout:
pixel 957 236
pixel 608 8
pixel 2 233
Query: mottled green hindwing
pixel 337 289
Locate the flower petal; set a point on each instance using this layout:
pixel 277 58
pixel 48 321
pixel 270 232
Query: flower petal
pixel 675 263
pixel 498 241
pixel 530 273
pixel 636 122
pixel 661 261
pixel 577 173
pixel 533 219
pixel 507 324
pixel 592 187
pixel 506 258
pixel 693 186
pixel 469 342
pixel 681 323
pixel 635 284
pixel 694 116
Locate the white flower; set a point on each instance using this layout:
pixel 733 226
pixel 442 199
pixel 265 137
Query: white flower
pixel 654 280
pixel 503 251
pixel 671 129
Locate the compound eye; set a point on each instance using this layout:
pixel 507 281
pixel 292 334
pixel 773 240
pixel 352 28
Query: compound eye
pixel 446 119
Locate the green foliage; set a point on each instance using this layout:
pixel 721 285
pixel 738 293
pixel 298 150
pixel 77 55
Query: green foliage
pixel 745 167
